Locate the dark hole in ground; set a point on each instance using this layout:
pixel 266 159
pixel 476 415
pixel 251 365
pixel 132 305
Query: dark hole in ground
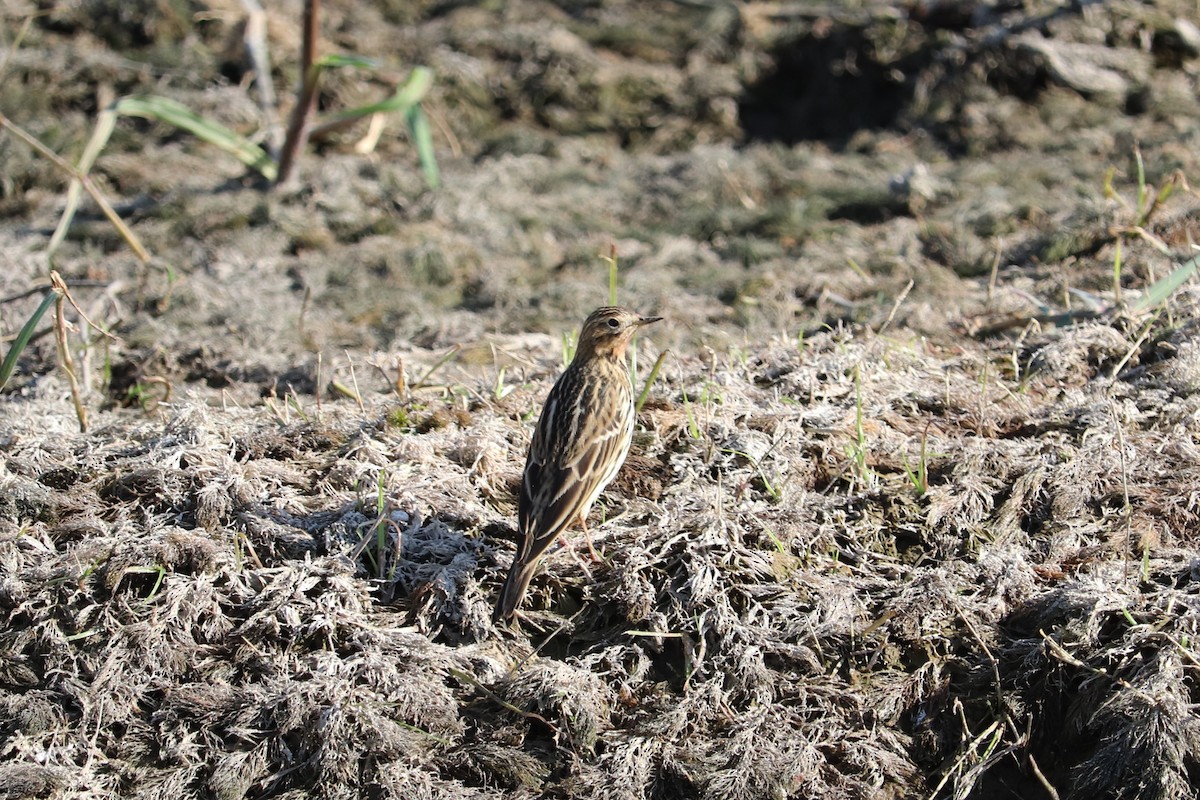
pixel 827 87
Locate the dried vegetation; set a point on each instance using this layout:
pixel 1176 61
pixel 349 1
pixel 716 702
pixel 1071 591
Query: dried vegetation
pixel 222 605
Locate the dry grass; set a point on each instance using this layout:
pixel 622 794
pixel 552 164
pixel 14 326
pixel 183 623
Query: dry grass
pixel 216 606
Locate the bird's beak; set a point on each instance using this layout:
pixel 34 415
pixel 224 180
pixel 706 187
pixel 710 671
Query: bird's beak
pixel 647 320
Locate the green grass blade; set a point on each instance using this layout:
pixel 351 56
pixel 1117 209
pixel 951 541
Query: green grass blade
pixel 106 121
pixel 569 341
pixel 14 352
pixel 406 100
pixel 166 110
pixel 693 428
pixel 450 354
pixel 418 128
pixel 641 401
pixel 405 97
pixel 346 60
pixel 1163 288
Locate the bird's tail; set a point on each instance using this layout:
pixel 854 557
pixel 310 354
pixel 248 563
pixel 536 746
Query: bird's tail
pixel 515 586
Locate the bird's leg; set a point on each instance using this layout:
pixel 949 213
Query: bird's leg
pixel 587 537
pixel 572 549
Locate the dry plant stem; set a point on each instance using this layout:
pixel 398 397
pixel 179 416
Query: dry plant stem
pixel 16 44
pixel 896 307
pixel 297 132
pixel 255 40
pixel 75 284
pixel 1137 344
pixel 439 120
pixel 250 549
pixel 324 129
pixel 1126 509
pixel 1183 651
pixel 64 351
pixel 308 341
pixel 471 679
pixel 158 380
pixel 1037 771
pixel 566 623
pixel 12 298
pixel 1060 652
pixel 992 660
pixel 123 229
pixel 371 532
pixel 357 394
pixel 991 287
pixel 399 384
pixel 399 551
pixel 281 414
pixel 320 387
pixel 64 360
pixel 970 749
pixel 60 286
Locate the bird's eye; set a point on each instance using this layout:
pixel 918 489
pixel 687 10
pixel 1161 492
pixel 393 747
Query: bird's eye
pixel 613 323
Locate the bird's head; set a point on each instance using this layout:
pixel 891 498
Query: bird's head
pixel 607 331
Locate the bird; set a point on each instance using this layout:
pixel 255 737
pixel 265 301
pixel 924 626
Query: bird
pixel 578 446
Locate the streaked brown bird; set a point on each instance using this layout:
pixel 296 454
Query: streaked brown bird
pixel 579 445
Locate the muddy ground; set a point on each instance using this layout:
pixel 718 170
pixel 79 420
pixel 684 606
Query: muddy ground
pixel 912 506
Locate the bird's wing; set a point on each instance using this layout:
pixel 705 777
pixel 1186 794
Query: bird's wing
pixel 574 452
